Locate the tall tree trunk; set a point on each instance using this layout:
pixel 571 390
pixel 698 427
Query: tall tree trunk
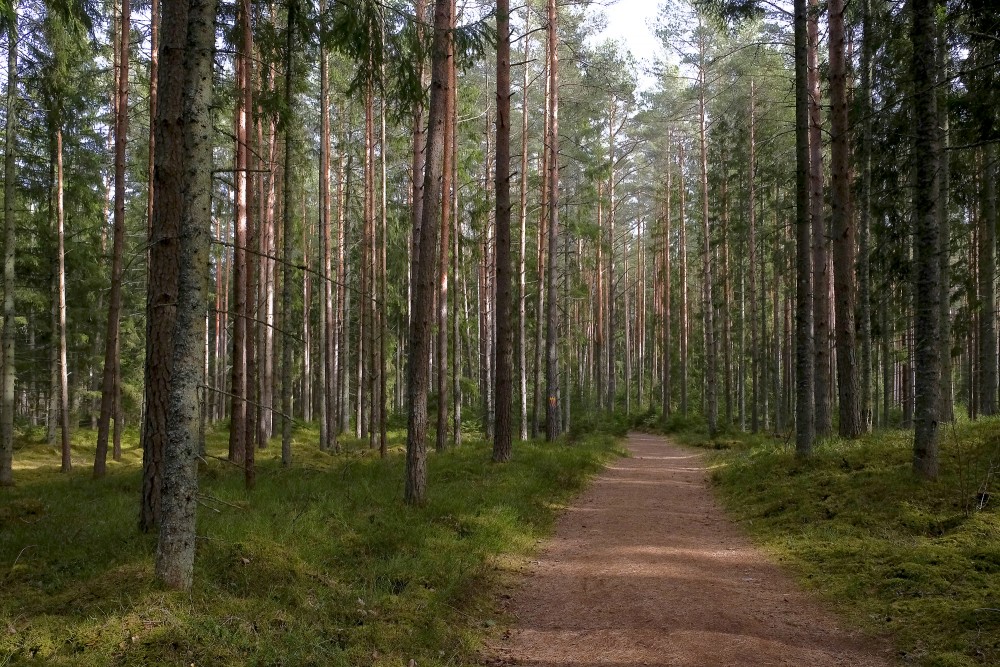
pixel 382 306
pixel 417 165
pixel 244 122
pixel 252 269
pixel 927 266
pixel 987 285
pixel 306 398
pixel 9 247
pixel 195 23
pixel 944 223
pixel 864 231
pixel 711 349
pixel 522 339
pixel 450 130
pixel 328 407
pixel 683 280
pixel 504 277
pixel 63 381
pixel 552 311
pixel 161 283
pixel 424 266
pixel 540 256
pixel 844 232
pixel 343 295
pixel 665 293
pixel 727 300
pixel 365 308
pixel 111 346
pixel 804 351
pixel 821 269
pixel 752 253
pixel 288 226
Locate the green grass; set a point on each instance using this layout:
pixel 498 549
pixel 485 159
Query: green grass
pixel 322 564
pixel 917 562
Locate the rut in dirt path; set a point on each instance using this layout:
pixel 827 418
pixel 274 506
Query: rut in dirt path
pixel 646 569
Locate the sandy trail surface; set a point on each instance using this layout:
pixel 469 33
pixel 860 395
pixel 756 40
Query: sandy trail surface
pixel 646 569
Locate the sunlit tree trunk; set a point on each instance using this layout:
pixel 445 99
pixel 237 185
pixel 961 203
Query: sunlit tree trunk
pixel 540 257
pixel 552 312
pixel 59 396
pixel 522 339
pixel 192 186
pixel 420 339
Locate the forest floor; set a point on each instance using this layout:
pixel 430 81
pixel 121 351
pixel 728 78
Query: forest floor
pixel 646 568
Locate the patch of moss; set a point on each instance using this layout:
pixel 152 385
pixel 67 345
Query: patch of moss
pixel 321 564
pixel 912 560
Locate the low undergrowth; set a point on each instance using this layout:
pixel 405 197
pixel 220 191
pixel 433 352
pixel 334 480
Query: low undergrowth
pixel 918 562
pixel 322 564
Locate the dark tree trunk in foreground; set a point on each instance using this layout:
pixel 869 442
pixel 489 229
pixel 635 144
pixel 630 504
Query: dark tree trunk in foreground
pixel 161 283
pixel 944 224
pixel 821 265
pixel 804 424
pixel 844 232
pixel 109 385
pixel 864 231
pixel 196 22
pixel 927 267
pixel 987 285
pixel 418 371
pixel 504 314
pixel 240 378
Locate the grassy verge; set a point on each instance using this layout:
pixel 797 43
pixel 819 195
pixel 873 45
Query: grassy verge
pixel 321 565
pixel 917 562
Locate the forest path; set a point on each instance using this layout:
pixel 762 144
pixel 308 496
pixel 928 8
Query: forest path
pixel 645 568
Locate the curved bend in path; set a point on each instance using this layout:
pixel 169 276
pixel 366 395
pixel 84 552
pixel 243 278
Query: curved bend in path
pixel 646 569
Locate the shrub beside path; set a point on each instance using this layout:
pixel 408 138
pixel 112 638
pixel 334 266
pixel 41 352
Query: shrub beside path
pixel 645 568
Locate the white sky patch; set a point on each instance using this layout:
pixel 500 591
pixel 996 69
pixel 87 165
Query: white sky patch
pixel 630 22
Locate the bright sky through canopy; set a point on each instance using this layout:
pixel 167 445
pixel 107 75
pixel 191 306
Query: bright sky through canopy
pixel 629 22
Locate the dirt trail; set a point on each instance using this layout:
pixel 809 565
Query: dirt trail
pixel 646 569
